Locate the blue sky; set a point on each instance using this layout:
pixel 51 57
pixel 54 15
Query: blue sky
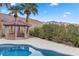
pixel 61 12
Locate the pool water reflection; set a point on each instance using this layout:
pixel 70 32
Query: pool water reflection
pixel 25 50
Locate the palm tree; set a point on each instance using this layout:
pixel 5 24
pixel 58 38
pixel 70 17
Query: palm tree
pixel 14 10
pixel 28 9
pixel 5 4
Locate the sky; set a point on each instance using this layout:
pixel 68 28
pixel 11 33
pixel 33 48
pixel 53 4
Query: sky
pixel 60 12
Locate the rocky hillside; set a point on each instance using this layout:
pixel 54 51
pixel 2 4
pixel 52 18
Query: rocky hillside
pixel 34 23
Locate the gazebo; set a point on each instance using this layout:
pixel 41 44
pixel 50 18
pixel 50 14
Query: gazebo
pixel 14 29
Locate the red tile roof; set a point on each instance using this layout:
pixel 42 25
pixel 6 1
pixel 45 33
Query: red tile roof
pixel 16 23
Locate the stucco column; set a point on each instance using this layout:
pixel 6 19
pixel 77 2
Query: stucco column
pixel 28 32
pixel 25 34
pixel 16 32
pixel 6 32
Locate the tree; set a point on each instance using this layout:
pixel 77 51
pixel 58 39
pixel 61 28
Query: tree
pixel 5 4
pixel 14 10
pixel 28 9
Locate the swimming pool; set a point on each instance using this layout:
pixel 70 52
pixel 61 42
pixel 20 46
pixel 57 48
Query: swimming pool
pixel 25 50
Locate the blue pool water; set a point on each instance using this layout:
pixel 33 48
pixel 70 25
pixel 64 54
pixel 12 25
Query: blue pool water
pixel 16 52
pixel 25 50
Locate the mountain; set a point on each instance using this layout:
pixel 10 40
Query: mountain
pixel 61 23
pixel 6 17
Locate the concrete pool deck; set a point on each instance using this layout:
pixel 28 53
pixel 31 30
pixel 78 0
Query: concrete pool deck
pixel 44 44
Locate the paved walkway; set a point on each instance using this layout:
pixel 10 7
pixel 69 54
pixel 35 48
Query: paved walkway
pixel 44 44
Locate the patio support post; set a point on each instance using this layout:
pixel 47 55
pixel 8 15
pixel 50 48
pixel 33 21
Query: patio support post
pixel 28 32
pixel 25 32
pixel 6 32
pixel 15 32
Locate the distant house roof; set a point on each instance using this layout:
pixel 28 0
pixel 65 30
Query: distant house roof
pixel 17 23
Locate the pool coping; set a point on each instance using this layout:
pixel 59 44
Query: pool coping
pixel 44 44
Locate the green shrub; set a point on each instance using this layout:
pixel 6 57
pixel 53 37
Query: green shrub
pixel 35 32
pixel 58 33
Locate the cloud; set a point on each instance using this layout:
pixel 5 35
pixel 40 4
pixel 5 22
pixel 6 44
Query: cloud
pixel 13 4
pixel 66 14
pixel 54 4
